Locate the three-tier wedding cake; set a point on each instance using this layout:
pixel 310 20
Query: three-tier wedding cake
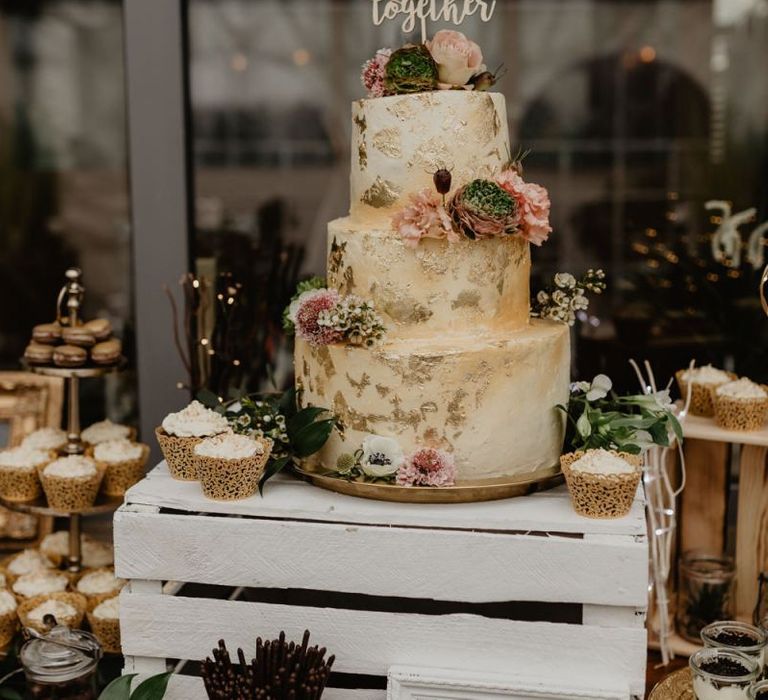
pixel 436 251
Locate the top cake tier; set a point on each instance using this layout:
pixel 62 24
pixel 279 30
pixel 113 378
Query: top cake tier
pixel 399 142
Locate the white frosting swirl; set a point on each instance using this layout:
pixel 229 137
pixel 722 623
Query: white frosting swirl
pixel 229 446
pixel 7 603
pixel 28 561
pixel 602 462
pixel 706 375
pixel 26 458
pixel 57 543
pixel 742 389
pixel 96 554
pixel 46 439
pixel 58 608
pixel 104 431
pixel 40 582
pixel 98 582
pixel 117 451
pixel 195 421
pixel 108 609
pixel 72 467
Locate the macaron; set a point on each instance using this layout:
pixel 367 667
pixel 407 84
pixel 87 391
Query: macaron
pixel 107 353
pixel 78 335
pixel 47 333
pixel 101 328
pixel 69 356
pixel 39 354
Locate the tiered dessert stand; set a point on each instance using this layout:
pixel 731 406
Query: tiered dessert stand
pixel 72 293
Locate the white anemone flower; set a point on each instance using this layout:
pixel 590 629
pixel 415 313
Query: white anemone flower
pixel 382 456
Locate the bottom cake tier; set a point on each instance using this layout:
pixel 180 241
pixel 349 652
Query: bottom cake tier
pixel 489 399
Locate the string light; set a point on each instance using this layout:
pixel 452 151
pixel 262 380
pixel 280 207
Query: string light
pixel 196 284
pixel 204 341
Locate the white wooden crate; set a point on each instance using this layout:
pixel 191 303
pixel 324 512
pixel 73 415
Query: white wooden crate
pixel 518 587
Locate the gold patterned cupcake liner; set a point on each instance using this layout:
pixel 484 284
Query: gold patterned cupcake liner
pixel 106 630
pixel 179 454
pixel 120 476
pixel 232 479
pixel 602 496
pixel 19 485
pixel 742 414
pixel 76 600
pixel 72 494
pixel 701 393
pixel 9 625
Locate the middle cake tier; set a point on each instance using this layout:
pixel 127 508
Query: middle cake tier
pixel 436 288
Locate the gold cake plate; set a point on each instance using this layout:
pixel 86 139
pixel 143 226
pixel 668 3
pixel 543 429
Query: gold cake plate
pixel 676 686
pixel 462 492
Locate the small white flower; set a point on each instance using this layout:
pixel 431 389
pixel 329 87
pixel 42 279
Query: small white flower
pixel 560 297
pixel 565 280
pixel 579 387
pixel 579 303
pixel 599 388
pixel 542 297
pixel 382 456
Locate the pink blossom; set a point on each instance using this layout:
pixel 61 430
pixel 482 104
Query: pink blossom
pixel 533 205
pixel 427 467
pixel 424 217
pixel 307 315
pixel 374 72
pixel 457 58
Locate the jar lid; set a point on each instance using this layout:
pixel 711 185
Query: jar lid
pixel 61 655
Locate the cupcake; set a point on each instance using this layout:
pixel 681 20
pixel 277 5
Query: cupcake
pixel 602 483
pixel 229 466
pixel 9 622
pixel 104 431
pixel 18 472
pixel 105 623
pixel 182 431
pixel 123 462
pixel 71 483
pixel 46 439
pixel 55 546
pixel 67 608
pixel 97 554
pixel 26 562
pixel 702 380
pixel 99 585
pixel 40 582
pixel 741 405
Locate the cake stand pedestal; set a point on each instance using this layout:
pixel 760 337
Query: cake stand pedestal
pixel 74 446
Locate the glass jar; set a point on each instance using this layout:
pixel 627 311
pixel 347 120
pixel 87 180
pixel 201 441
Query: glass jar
pixel 706 592
pixel 719 673
pixel 737 636
pixel 61 665
pixel 758 691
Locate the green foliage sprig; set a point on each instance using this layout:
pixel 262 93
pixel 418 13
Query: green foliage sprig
pixel 152 688
pixel 600 419
pixel 296 433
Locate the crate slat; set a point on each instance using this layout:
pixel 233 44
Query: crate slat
pixel 371 642
pixel 449 565
pixel 548 511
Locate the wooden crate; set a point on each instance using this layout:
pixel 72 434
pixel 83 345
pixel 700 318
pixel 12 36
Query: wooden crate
pixel 521 587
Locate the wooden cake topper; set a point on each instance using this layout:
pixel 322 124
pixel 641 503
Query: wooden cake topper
pixel 423 11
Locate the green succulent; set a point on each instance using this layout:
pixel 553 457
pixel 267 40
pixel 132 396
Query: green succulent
pixel 410 69
pixel 488 198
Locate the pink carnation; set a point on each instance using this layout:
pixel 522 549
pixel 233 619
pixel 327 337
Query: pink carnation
pixel 533 205
pixel 427 467
pixel 424 217
pixel 307 315
pixel 374 72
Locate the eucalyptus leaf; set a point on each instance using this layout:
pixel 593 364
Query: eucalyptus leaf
pixel 208 398
pixel 287 403
pixel 152 688
pixel 303 418
pixel 118 689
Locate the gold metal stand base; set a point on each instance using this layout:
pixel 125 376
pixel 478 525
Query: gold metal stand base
pixel 462 492
pixel 676 686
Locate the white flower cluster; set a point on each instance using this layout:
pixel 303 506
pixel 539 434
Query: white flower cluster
pixel 263 421
pixel 356 319
pixel 568 296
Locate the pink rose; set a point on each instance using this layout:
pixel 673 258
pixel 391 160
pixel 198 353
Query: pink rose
pixel 457 58
pixel 424 217
pixel 533 205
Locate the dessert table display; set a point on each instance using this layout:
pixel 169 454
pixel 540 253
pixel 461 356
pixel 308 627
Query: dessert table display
pixel 522 587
